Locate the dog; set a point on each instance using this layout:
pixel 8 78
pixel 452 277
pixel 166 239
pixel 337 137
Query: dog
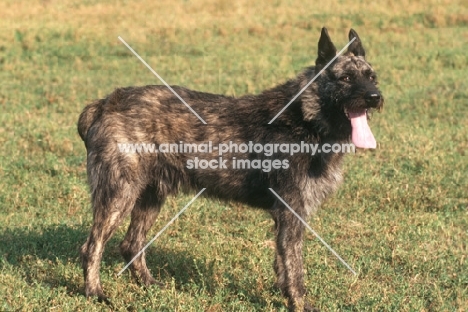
pixel 332 109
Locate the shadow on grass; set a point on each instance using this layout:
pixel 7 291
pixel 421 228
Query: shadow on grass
pixel 50 257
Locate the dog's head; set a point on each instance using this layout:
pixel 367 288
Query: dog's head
pixel 350 84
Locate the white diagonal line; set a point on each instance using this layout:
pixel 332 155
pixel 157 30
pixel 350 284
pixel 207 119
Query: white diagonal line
pixel 313 232
pixel 160 78
pixel 307 85
pixel 160 232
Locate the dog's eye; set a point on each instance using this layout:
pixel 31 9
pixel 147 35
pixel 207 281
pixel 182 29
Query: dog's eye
pixel 345 78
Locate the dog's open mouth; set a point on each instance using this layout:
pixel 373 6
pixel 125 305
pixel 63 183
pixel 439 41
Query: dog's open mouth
pixel 361 134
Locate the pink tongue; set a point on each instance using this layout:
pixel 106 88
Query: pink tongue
pixel 361 134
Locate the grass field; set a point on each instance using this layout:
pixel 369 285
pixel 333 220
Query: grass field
pixel 400 219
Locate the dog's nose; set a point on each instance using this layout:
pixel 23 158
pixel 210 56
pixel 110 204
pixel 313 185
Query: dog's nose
pixel 372 98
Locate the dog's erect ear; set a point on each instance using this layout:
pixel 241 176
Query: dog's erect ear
pixel 356 47
pixel 326 50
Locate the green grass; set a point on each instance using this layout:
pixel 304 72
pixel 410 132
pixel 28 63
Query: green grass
pixel 400 219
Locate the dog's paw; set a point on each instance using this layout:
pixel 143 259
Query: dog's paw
pixel 303 307
pixel 104 299
pixel 309 308
pixel 96 294
pixel 151 281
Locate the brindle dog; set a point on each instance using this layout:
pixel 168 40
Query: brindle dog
pixel 333 109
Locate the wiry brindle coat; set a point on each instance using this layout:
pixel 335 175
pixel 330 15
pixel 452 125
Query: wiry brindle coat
pixel 332 109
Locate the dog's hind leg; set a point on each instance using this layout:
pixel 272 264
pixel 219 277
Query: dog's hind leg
pixel 144 215
pixel 108 214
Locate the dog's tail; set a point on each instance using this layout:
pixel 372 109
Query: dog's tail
pixel 88 117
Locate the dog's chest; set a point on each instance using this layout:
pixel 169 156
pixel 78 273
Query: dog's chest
pixel 314 189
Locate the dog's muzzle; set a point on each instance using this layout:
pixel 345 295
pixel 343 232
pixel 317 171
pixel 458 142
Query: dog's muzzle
pixel 374 100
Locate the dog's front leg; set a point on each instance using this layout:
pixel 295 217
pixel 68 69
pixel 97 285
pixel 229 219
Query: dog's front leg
pixel 288 262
